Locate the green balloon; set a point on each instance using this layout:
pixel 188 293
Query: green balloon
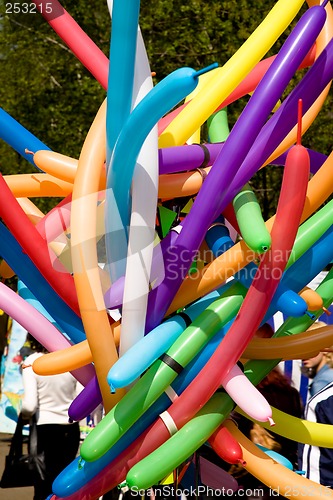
pixel 179 447
pixel 218 128
pixel 152 384
pixel 310 232
pixel 251 223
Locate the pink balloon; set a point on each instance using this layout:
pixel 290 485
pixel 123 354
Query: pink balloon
pixel 247 396
pixel 39 327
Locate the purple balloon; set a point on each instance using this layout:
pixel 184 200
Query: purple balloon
pixel 215 193
pixel 183 158
pixel 85 402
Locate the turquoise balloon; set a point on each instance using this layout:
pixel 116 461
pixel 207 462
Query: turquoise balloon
pixel 163 97
pixel 276 456
pixel 125 16
pixel 137 359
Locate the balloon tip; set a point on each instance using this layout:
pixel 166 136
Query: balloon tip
pixel 311 316
pixel 123 487
pixel 81 463
pixel 70 420
pixel 241 462
pixel 206 69
pixel 326 311
pixel 271 421
pixel 299 121
pixel 112 389
pixel 28 152
pixel 325 2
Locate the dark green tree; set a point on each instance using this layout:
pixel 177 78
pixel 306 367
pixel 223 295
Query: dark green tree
pixel 49 92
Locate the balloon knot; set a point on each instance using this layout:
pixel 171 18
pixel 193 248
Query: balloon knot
pixel 271 421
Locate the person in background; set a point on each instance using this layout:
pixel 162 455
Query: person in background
pixel 316 368
pixel 314 461
pixel 4 326
pixel 49 397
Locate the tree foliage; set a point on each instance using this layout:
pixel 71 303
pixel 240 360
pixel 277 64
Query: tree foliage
pixel 49 92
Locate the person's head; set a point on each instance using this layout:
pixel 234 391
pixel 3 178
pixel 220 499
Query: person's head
pixel 264 332
pixel 34 345
pixel 275 378
pixel 311 366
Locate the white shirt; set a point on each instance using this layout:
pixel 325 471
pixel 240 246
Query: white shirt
pixel 48 396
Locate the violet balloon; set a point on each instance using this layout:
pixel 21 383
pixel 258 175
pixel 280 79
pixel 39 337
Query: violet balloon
pixel 211 198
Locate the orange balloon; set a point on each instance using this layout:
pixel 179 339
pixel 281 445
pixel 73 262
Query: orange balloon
pixel 66 360
pixel 312 298
pixel 301 346
pixel 37 185
pixel 84 256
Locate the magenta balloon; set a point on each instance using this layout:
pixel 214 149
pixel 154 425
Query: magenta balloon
pixel 214 195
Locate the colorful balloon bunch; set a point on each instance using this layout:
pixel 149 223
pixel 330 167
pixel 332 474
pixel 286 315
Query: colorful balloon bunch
pixel 186 321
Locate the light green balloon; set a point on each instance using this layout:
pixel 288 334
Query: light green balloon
pixel 179 447
pixel 218 128
pixel 251 223
pixel 310 232
pixel 153 383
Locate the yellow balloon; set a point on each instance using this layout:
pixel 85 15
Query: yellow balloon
pixel 224 80
pixel 298 429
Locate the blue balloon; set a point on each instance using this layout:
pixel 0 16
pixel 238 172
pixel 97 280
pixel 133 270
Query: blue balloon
pixel 137 359
pixel 18 137
pixel 125 16
pixel 218 237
